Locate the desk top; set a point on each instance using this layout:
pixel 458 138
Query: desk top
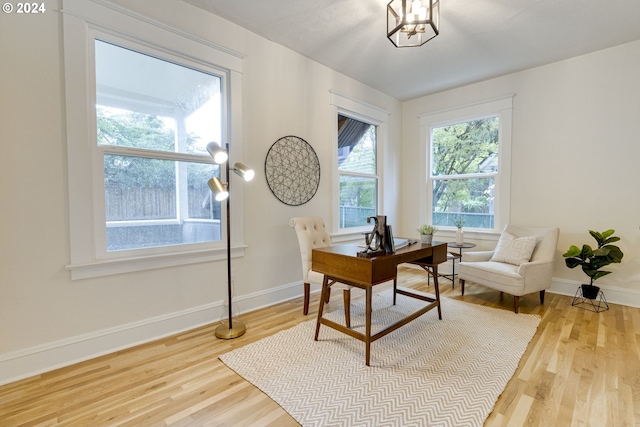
pixel 341 262
pixel 352 249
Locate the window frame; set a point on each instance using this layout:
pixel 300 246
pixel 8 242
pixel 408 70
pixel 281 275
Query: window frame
pixel 83 23
pixel 367 113
pixel 102 150
pixel 498 107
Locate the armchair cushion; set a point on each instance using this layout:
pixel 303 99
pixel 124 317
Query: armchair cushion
pixel 477 256
pixel 514 250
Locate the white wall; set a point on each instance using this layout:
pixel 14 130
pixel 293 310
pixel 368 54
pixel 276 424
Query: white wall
pixel 47 320
pixel 575 155
pixel 574 140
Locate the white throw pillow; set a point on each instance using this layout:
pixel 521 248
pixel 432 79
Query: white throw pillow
pixel 514 250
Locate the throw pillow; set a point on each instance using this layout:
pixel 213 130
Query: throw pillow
pixel 514 250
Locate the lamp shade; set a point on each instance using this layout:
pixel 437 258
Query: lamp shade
pixel 412 23
pixel 218 189
pixel 218 153
pixel 244 171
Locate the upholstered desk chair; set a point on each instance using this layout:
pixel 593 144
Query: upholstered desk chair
pixel 522 263
pixel 311 234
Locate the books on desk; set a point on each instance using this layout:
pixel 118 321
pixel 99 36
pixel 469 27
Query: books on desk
pixel 393 243
pixel 397 243
pixel 401 243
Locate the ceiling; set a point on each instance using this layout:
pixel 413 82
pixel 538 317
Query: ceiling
pixel 479 39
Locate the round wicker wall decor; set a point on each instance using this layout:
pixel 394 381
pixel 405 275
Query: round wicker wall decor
pixel 292 170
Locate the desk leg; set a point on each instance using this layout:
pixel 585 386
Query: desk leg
pixel 437 289
pixel 369 309
pixel 395 286
pixel 325 292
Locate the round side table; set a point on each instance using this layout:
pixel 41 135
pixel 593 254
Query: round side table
pixel 454 245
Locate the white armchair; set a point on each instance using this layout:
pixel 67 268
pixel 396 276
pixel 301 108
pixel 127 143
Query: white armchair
pixel 521 263
pixel 311 234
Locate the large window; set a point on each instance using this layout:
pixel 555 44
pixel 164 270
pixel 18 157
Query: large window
pixel 154 119
pixel 142 101
pixel 464 165
pixel 360 132
pixel 468 165
pixel 357 165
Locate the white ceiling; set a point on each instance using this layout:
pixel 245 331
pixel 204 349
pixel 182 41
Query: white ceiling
pixel 479 39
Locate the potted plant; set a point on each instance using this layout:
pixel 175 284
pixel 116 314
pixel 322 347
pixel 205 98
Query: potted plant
pixel 426 233
pixel 459 236
pixel 592 260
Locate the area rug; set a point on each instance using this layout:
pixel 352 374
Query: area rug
pixel 430 372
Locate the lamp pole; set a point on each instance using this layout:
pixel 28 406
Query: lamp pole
pixel 229 281
pixel 229 331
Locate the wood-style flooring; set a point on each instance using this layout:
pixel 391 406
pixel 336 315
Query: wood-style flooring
pixel 580 369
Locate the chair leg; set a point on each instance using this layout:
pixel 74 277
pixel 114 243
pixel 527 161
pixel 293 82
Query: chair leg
pixel 346 294
pixel 461 281
pixel 307 292
pixel 542 297
pixel 516 304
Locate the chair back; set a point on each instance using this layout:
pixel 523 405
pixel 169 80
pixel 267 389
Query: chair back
pixel 546 245
pixel 311 234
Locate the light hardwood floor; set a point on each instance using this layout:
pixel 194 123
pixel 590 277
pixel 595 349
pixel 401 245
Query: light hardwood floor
pixel 580 369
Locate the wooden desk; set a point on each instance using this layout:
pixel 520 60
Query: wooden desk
pixel 340 263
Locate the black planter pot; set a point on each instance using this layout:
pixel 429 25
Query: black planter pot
pixel 590 291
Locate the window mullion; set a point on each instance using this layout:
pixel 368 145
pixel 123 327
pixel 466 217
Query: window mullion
pixel 465 176
pixel 358 174
pixel 154 154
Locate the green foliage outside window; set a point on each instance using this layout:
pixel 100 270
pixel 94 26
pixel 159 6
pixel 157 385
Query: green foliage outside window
pixel 360 192
pixel 132 181
pixel 137 130
pixel 462 149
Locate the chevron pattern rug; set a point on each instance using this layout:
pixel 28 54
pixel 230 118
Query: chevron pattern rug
pixel 429 372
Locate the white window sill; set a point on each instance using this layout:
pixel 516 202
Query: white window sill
pixel 469 235
pixel 99 268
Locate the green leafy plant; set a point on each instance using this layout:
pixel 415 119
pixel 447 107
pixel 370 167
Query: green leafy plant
pixel 427 229
pixel 459 222
pixel 592 260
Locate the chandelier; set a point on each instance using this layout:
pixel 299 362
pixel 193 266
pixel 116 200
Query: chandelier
pixel 412 23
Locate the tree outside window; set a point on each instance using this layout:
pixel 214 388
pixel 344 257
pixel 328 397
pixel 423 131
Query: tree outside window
pixel 154 119
pixel 464 166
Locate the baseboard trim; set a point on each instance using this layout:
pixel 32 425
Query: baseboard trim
pixel 613 294
pixel 36 360
pixel 28 362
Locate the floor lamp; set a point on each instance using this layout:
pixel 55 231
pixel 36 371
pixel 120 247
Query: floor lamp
pixel 221 191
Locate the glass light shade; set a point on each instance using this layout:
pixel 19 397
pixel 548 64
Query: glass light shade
pixel 218 189
pixel 412 22
pixel 218 153
pixel 244 171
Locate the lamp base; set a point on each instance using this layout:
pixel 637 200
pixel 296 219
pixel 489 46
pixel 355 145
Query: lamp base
pixel 236 331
